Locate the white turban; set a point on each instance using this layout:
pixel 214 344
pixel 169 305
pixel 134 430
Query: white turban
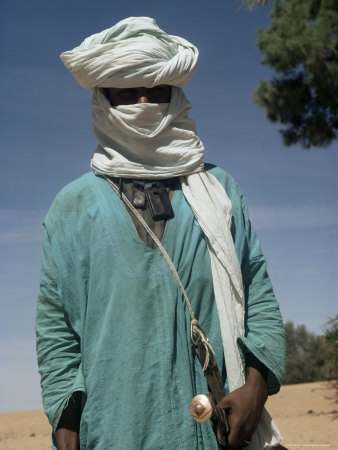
pixel 134 52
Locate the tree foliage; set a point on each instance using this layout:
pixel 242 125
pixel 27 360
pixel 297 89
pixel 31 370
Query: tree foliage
pixel 310 357
pixel 301 45
pixel 305 355
pixel 331 350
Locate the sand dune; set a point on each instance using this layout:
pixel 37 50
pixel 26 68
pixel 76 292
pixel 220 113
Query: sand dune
pixel 306 414
pixel 24 430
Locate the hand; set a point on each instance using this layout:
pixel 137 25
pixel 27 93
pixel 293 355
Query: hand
pixel 246 405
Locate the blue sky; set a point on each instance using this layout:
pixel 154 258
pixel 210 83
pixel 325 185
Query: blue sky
pixel 47 141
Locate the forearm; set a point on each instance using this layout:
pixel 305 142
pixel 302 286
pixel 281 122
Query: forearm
pixel 256 381
pixel 58 344
pixel 66 439
pixel 256 373
pixel 264 330
pixel 67 431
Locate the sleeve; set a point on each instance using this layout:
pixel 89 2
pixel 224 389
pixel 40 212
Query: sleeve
pixel 264 330
pixel 58 346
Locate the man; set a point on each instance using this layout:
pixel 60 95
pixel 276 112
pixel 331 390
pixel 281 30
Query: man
pixel 117 365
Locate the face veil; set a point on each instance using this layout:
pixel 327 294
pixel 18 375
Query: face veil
pixel 145 140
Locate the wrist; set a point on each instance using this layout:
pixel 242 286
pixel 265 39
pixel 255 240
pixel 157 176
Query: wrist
pixel 67 431
pixel 255 380
pixel 66 439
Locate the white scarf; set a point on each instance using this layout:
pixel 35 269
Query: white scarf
pixel 159 141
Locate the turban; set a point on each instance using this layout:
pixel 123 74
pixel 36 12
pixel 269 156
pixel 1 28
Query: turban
pixel 134 52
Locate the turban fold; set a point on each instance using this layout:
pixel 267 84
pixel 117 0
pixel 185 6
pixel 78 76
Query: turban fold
pixel 135 52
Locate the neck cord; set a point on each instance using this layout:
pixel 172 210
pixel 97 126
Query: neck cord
pixel 197 334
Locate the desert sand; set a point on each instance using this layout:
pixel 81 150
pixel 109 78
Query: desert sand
pixel 306 414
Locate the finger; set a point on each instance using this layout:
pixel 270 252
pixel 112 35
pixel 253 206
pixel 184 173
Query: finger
pixel 235 437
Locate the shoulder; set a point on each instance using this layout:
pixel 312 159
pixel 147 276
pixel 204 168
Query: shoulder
pixel 227 181
pixel 82 185
pixel 75 196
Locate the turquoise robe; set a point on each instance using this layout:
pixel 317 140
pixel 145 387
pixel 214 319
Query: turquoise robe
pixel 112 322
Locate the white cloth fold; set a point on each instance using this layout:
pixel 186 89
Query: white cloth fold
pixel 134 52
pixel 157 139
pixel 150 141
